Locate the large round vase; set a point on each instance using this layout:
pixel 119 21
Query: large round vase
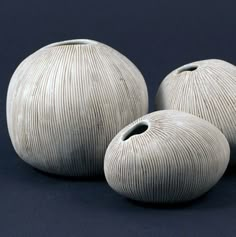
pixel 66 102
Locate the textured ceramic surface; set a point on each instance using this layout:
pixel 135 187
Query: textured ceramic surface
pixel 66 102
pixel 206 89
pixel 166 157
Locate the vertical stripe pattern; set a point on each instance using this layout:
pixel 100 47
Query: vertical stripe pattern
pixel 66 102
pixel 177 158
pixel 206 89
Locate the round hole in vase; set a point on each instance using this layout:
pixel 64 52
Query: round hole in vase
pixel 137 129
pixel 75 42
pixel 188 68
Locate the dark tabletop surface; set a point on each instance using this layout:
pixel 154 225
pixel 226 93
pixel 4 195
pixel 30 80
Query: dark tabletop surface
pixel 157 36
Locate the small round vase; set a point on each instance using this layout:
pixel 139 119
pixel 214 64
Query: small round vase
pixel 206 89
pixel 66 102
pixel 166 157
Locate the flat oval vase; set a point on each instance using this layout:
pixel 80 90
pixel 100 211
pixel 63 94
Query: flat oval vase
pixel 166 157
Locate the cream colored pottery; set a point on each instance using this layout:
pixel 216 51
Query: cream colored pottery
pixel 66 102
pixel 206 89
pixel 166 157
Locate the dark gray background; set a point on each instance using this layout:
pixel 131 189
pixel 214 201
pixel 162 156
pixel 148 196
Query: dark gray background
pixel 158 36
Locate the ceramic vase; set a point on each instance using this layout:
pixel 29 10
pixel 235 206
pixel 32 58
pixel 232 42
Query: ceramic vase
pixel 66 102
pixel 166 157
pixel 206 89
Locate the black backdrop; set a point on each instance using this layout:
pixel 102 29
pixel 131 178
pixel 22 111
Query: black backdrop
pixel 158 36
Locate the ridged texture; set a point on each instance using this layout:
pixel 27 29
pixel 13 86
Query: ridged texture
pixel 208 92
pixel 66 102
pixel 178 158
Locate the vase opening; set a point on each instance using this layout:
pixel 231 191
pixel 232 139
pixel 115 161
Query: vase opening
pixel 74 42
pixel 137 129
pixel 188 68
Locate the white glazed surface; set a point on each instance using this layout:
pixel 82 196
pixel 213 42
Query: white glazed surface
pixel 178 158
pixel 208 92
pixel 66 102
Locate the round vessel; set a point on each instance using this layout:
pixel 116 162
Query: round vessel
pixel 206 89
pixel 66 102
pixel 166 157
